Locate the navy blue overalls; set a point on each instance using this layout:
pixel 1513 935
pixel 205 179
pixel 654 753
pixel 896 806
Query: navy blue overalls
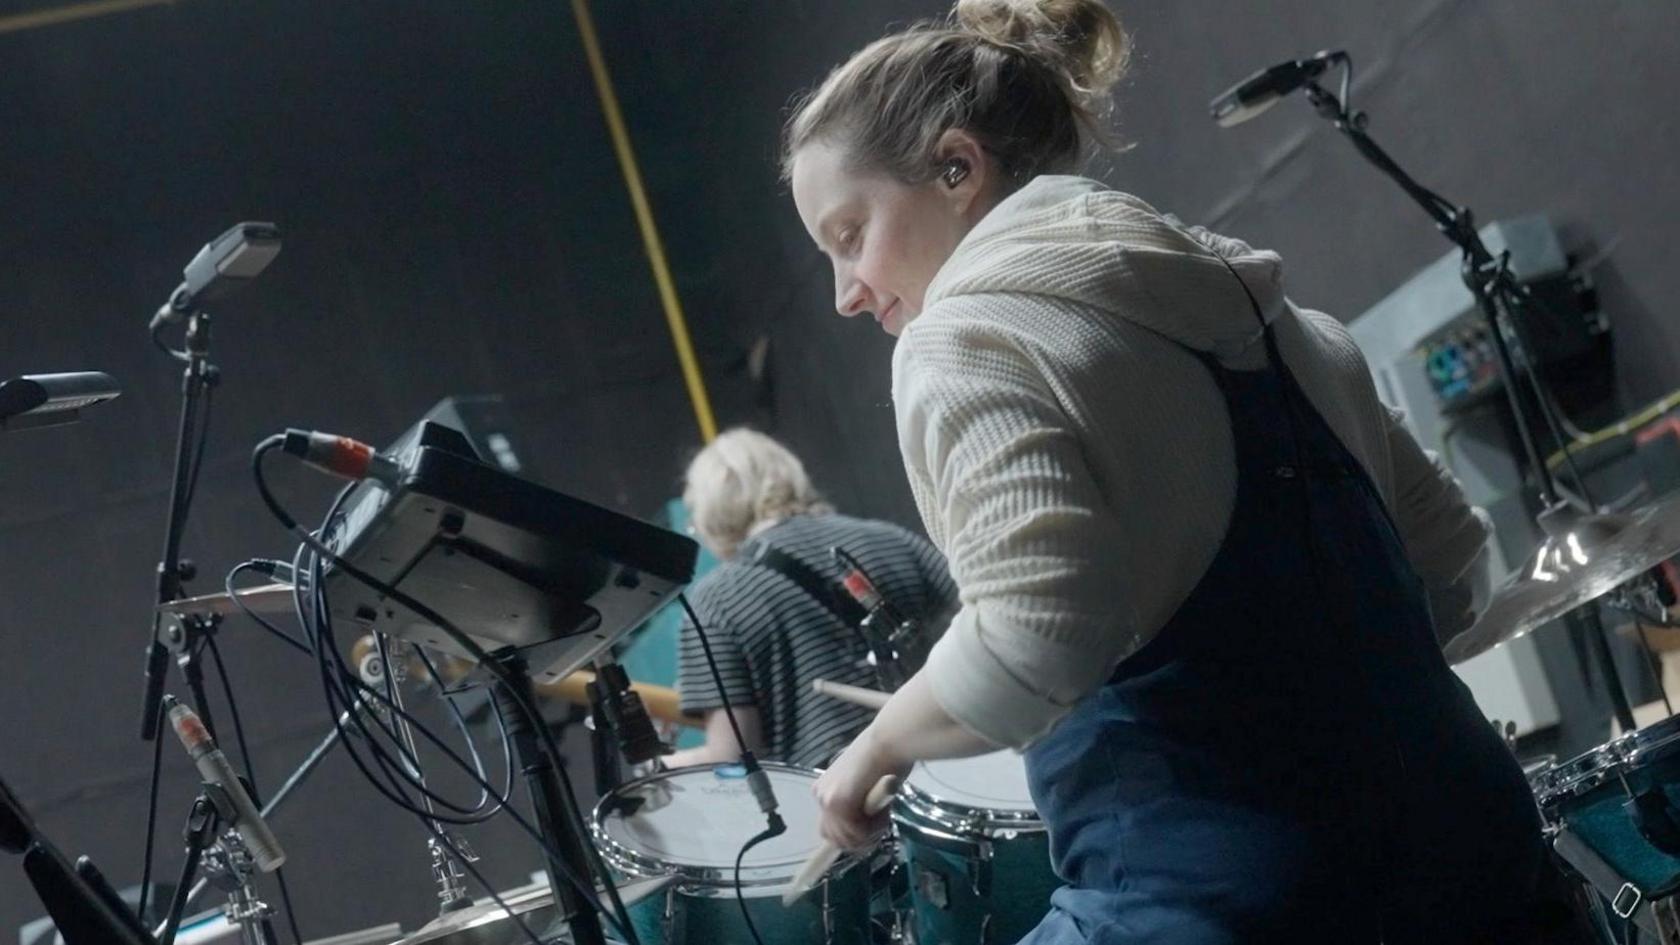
pixel 1290 759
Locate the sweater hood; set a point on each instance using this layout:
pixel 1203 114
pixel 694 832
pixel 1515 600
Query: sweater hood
pixel 1073 238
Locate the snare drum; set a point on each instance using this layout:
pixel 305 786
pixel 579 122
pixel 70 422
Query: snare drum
pixel 977 854
pixel 1622 800
pixel 690 823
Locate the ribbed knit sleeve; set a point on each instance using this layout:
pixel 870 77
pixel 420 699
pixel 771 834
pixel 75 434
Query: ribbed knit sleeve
pixel 1003 486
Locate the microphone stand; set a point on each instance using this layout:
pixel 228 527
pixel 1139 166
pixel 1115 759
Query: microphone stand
pixel 1497 293
pixel 304 769
pixel 181 635
pixel 228 864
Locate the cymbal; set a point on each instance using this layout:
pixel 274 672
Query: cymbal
pixel 264 599
pixel 1583 557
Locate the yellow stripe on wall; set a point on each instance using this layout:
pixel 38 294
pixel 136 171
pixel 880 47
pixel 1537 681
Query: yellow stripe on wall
pixel 644 220
pixel 70 13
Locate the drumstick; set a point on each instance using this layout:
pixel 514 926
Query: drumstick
pixel 879 797
pixel 857 695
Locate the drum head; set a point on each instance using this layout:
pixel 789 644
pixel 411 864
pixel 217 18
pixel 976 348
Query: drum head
pixel 995 782
pixel 693 821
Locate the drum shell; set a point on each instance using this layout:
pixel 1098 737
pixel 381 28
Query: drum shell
pixel 1588 796
pixel 690 914
pixel 700 907
pixel 975 876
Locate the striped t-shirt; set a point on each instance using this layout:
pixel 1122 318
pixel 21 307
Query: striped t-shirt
pixel 771 638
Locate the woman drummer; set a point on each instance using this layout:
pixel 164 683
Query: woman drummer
pixel 1196 555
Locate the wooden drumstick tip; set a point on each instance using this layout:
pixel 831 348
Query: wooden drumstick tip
pixel 824 856
pixel 857 695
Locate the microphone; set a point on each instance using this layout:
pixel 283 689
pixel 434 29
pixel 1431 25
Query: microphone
pixel 340 456
pixel 895 640
pixel 214 768
pixel 41 400
pixel 638 742
pixel 1262 90
pixel 224 265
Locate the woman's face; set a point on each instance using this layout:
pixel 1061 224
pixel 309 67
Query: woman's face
pixel 885 239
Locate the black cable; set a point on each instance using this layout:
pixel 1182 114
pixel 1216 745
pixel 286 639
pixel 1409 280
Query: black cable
pixel 749 761
pixel 322 633
pixel 250 774
pixel 261 566
pixel 466 735
pixel 776 829
pixel 717 676
pixel 151 817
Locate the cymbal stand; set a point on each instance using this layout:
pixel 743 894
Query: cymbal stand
pixel 451 879
pixel 1502 300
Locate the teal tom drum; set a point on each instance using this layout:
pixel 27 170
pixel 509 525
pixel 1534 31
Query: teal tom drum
pixel 977 854
pixel 1614 814
pixel 690 823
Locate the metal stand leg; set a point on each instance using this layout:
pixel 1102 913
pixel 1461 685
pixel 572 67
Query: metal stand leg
pixel 547 798
pixel 1587 619
pixel 1667 915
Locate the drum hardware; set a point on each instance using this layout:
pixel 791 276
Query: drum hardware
pixel 442 844
pixel 266 599
pixel 661 702
pixel 296 778
pixel 228 865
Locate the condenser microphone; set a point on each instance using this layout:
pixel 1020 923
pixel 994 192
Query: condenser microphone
pixel 638 741
pixel 225 264
pixel 1262 90
pixel 214 768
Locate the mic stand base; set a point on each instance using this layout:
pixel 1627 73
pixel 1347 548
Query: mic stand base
pixel 559 833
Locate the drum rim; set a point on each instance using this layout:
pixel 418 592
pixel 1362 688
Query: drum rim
pixel 643 866
pixel 988 823
pixel 1593 767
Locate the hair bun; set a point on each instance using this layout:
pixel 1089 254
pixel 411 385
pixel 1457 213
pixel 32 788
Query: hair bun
pixel 1081 39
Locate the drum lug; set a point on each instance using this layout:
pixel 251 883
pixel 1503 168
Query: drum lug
pixel 668 917
pixel 827 914
pixel 931 884
pixel 986 929
pixel 980 869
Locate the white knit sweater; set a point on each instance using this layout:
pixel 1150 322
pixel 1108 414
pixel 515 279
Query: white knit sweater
pixel 1075 465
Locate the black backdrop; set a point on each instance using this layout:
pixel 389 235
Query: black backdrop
pixel 455 222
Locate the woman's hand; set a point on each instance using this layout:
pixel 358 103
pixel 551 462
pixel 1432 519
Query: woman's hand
pixel 841 790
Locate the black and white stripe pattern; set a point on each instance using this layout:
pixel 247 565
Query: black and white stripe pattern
pixel 771 638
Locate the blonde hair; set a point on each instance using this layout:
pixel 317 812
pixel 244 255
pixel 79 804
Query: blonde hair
pixel 1030 79
pixel 741 482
